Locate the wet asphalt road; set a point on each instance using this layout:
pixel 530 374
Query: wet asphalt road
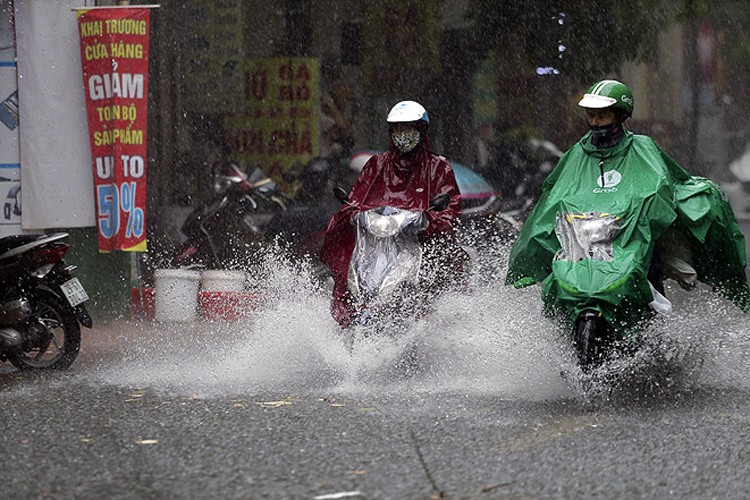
pixel 130 422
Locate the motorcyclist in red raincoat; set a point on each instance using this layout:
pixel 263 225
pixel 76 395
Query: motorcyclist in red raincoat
pixel 407 176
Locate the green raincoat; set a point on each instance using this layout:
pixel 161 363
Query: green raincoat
pixel 622 200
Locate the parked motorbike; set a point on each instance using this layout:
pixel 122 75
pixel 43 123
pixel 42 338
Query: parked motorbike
pixel 41 303
pixel 519 170
pixel 387 262
pixel 517 176
pixel 230 231
pixel 301 227
pixel 524 173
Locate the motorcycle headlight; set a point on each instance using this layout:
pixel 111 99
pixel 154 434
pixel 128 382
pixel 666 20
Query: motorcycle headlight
pixel 382 226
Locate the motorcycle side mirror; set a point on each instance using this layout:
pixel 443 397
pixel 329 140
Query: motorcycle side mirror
pixel 439 202
pixel 341 194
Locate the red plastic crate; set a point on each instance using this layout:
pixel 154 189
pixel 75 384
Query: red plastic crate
pixel 142 303
pixel 228 306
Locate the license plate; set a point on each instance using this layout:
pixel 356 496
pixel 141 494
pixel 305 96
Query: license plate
pixel 74 292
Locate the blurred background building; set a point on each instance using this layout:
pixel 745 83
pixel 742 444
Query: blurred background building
pixel 276 84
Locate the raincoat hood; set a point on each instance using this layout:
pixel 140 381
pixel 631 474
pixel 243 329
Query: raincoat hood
pixel 587 145
pixel 607 136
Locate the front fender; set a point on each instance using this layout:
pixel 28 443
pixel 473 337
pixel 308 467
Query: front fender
pixel 83 316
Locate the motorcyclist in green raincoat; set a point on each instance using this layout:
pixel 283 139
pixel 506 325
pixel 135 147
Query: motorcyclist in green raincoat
pixel 615 217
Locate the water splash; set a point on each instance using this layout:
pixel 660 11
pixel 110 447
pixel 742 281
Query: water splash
pixel 701 346
pixel 490 340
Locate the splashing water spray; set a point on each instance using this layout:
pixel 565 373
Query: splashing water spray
pixel 489 340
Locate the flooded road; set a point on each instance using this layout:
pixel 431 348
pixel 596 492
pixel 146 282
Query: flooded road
pixel 481 399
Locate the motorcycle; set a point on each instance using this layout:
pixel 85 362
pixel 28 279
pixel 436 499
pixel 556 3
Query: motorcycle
pixel 41 304
pixel 489 225
pixel 387 262
pixel 519 173
pixel 230 231
pixel 488 221
pixel 301 227
pixel 601 246
pixel 587 269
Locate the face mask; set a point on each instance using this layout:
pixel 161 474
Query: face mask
pixel 405 141
pixel 606 136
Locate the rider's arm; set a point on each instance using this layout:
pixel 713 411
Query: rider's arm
pixel 444 181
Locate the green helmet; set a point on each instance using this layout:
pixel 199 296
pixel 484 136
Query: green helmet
pixel 608 93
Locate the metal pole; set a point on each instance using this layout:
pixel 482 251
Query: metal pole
pixel 695 89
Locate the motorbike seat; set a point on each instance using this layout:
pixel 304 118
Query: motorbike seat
pixel 16 240
pixel 21 242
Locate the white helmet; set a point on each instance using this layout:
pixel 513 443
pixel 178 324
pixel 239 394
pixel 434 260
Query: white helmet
pixel 408 111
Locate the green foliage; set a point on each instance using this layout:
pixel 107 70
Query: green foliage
pixel 694 9
pixel 597 35
pixel 732 18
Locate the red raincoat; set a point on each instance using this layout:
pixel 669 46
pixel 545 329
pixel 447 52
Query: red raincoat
pixel 388 179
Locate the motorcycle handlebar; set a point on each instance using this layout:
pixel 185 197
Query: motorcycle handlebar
pixel 438 203
pixel 341 195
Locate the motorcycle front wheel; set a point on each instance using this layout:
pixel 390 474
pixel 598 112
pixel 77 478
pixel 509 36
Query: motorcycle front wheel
pixel 58 336
pixel 592 339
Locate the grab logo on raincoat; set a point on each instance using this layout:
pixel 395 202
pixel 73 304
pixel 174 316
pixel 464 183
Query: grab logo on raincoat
pixel 608 181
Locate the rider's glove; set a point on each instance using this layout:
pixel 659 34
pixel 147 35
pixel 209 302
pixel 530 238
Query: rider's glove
pixel 418 224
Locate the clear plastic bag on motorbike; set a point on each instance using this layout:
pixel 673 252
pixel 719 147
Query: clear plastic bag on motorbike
pixel 387 253
pixel 586 235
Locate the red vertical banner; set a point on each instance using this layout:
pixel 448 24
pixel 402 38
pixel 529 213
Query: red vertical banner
pixel 114 56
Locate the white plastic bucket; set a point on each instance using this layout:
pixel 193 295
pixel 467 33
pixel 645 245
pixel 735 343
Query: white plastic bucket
pixel 176 294
pixel 223 281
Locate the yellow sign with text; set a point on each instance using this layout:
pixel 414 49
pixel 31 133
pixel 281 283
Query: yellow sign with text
pixel 277 125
